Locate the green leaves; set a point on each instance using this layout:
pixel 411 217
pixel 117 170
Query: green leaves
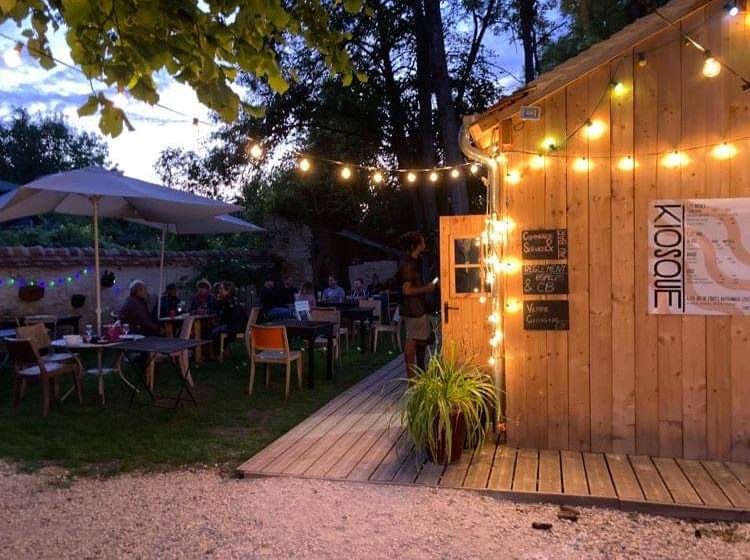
pixel 76 12
pixel 278 83
pixel 90 107
pixel 7 5
pixel 111 120
pixel 352 6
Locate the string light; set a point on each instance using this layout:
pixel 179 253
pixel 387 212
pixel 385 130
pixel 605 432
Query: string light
pixel 618 89
pixel 12 57
pixel 537 162
pixel 433 176
pixel 501 159
pixel 626 163
pixel 732 8
pixel 594 129
pixel 346 172
pixel 473 168
pixel 724 151
pixel 642 61
pixel 513 305
pixel 411 177
pixel 482 299
pixel 304 165
pixel 513 177
pixel 581 164
pixel 549 144
pixel 492 361
pixel 711 66
pixel 377 177
pixel 455 173
pixel 256 152
pixel 675 160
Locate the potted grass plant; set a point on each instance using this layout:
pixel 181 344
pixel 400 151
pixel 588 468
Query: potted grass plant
pixel 446 405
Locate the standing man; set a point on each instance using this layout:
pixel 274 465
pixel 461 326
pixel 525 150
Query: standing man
pixel 413 306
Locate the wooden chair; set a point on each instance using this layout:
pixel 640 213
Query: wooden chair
pixel 28 364
pixel 48 321
pixel 334 316
pixel 183 357
pixel 269 344
pixel 392 327
pixel 39 336
pixel 252 318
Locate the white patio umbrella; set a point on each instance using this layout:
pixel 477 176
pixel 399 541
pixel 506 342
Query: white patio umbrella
pixel 223 224
pixel 97 192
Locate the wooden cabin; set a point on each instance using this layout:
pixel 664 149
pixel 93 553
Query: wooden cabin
pixel 585 152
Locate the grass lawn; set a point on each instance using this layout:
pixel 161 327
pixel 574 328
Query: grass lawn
pixel 227 428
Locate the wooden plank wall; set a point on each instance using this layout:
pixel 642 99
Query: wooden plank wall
pixel 621 380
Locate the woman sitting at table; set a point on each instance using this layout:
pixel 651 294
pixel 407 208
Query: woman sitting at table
pixel 232 315
pixel 204 302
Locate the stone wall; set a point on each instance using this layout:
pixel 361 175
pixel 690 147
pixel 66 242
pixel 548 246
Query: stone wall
pixel 384 269
pixel 72 272
pixel 293 244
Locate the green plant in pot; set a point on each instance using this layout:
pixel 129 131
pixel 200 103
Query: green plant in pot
pixel 446 405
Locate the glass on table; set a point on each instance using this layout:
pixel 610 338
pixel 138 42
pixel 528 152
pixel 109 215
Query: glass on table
pixel 125 328
pixel 89 332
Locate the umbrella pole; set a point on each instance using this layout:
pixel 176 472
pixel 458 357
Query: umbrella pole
pixel 161 270
pixel 97 283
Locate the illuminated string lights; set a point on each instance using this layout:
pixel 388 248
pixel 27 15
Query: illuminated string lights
pixel 581 164
pixel 411 177
pixel 675 160
pixel 594 129
pixel 513 177
pixel 433 176
pixel 537 162
pixel 455 173
pixel 473 168
pixel 724 151
pixel 626 163
pixel 21 281
pixel 618 89
pixel 377 177
pixel 711 66
pixel 304 165
pixel 346 173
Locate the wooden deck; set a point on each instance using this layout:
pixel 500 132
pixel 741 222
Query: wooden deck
pixel 357 437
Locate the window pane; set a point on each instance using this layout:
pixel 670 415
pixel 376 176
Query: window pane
pixel 468 280
pixel 467 251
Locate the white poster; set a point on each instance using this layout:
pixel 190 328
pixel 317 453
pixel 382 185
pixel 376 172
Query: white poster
pixel 699 257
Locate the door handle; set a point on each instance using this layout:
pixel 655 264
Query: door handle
pixel 446 310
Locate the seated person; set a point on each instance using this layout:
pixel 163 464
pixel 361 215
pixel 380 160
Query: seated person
pixel 204 302
pixel 306 293
pixel 232 315
pixel 375 286
pixel 269 302
pixel 286 293
pixel 359 291
pixel 333 293
pixel 170 301
pixel 135 311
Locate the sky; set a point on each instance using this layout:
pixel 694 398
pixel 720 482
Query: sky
pixel 62 90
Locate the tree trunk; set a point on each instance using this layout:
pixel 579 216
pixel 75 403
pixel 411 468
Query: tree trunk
pixel 426 130
pixel 446 108
pixel 527 12
pixel 397 113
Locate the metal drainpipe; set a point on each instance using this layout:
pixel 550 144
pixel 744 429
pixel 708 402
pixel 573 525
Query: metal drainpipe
pixel 493 198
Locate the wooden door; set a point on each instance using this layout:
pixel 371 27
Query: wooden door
pixel 464 316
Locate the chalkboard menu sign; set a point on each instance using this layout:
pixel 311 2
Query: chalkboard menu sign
pixel 545 279
pixel 546 315
pixel 540 244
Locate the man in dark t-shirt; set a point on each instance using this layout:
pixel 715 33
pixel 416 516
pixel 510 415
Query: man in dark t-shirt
pixel 413 308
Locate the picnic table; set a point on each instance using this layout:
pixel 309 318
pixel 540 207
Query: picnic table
pixel 155 346
pixel 310 331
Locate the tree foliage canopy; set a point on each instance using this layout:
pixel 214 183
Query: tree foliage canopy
pixel 125 43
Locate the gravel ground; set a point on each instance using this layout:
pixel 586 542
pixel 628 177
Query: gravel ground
pixel 202 514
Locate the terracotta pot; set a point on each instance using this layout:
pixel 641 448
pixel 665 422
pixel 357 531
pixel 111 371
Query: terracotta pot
pixel 457 444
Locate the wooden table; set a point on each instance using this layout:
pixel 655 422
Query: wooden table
pixel 199 327
pixel 352 311
pixel 310 331
pixel 155 346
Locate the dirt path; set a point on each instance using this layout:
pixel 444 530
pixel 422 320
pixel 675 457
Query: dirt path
pixel 201 514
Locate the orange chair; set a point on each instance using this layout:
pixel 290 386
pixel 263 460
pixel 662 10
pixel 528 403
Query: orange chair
pixel 268 344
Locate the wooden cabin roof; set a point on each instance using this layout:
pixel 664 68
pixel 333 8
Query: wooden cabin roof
pixel 578 66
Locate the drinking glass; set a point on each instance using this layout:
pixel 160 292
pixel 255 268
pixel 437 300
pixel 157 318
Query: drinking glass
pixel 125 328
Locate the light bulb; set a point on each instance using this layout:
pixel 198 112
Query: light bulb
pixel 474 168
pixel 513 177
pixel 537 162
pixel 512 305
pixel 433 176
pixel 626 163
pixel 711 66
pixel 377 177
pixel 256 151
pixel 594 129
pixel 455 173
pixel 493 318
pixel 492 361
pixel 618 89
pixel 581 164
pixel 724 151
pixel 732 8
pixel 346 172
pixel 501 158
pixel 549 144
pixel 12 57
pixel 482 299
pixel 642 61
pixel 675 160
pixel 411 177
pixel 304 165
